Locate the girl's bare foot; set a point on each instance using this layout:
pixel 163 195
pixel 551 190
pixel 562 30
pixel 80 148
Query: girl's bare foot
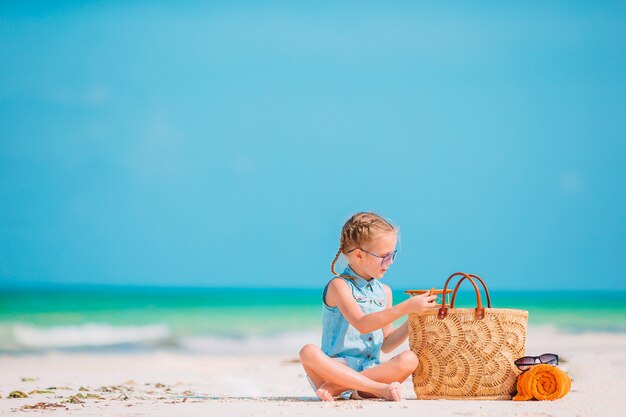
pixel 324 395
pixel 392 392
pixel 333 389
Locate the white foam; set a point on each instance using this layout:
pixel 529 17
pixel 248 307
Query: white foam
pixel 88 334
pixel 282 343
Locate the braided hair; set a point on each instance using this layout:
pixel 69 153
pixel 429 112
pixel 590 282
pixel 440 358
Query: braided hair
pixel 360 228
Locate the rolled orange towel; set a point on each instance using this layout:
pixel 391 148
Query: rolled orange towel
pixel 542 382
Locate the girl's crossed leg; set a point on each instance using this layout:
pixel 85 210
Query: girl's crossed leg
pixel 332 377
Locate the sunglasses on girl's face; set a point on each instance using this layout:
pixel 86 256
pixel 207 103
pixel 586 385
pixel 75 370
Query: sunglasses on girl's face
pixel 527 361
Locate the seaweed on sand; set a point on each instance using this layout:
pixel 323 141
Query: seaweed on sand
pixel 43 406
pixel 40 391
pixel 89 396
pixel 74 400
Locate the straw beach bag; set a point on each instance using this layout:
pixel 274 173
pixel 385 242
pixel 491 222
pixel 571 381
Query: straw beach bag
pixel 467 353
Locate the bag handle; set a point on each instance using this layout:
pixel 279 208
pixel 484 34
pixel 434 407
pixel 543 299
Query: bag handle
pixel 479 311
pixel 458 284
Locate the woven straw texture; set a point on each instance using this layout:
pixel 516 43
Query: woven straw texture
pixel 461 357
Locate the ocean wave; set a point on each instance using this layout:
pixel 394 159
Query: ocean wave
pixel 29 336
pixel 278 344
pixel 22 338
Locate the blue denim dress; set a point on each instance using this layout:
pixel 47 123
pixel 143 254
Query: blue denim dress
pixel 340 339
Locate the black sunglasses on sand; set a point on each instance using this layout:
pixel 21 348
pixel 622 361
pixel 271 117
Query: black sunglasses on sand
pixel 526 362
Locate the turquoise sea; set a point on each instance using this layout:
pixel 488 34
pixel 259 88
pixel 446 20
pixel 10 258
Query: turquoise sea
pixel 200 319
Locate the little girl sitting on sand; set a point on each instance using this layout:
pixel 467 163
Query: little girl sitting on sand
pixel 357 319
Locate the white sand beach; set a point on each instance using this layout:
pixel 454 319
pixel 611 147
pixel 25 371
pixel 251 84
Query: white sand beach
pixel 166 383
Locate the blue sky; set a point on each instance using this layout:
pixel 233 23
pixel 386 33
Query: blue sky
pixel 226 144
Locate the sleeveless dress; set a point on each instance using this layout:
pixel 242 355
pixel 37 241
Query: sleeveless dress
pixel 339 338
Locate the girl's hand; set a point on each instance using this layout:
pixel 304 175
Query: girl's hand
pixel 422 302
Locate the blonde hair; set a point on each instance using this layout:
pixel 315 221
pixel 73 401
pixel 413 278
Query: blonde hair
pixel 360 228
